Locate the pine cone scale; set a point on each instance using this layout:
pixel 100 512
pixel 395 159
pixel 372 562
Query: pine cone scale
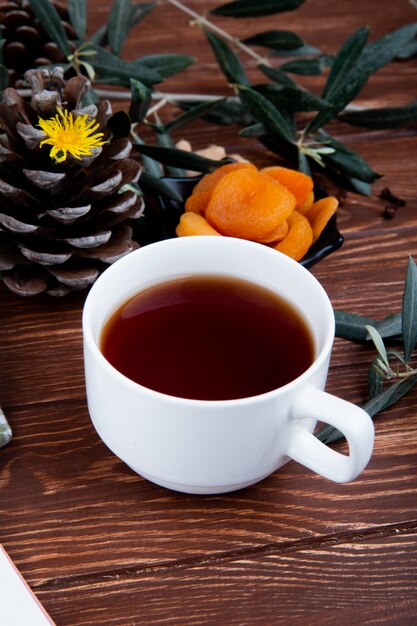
pixel 68 215
pixel 90 241
pixel 119 245
pixel 44 258
pixel 14 18
pixel 26 282
pixel 21 198
pixel 78 278
pixel 15 226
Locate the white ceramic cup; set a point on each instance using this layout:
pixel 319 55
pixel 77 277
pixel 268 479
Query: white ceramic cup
pixel 204 447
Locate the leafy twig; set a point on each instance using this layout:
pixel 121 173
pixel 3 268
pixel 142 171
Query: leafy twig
pixel 401 327
pixel 267 111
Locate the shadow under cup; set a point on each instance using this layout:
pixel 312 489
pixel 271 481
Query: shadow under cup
pixel 199 446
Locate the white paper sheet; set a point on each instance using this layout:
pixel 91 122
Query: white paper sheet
pixel 18 605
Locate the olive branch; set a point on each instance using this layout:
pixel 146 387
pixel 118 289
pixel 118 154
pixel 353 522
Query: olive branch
pixel 273 111
pixel 390 364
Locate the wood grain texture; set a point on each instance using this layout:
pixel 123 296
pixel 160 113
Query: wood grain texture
pixel 101 546
pixel 295 585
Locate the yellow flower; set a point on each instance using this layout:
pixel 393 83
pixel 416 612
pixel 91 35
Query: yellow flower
pixel 69 134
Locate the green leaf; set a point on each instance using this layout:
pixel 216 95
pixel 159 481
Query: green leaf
pixel 140 100
pixel 359 186
pixel 408 51
pixel 347 92
pixel 308 67
pixel 409 310
pixel 378 343
pixel 346 79
pixel 384 399
pixel 292 98
pixel 345 87
pixel 109 66
pixel 192 114
pixel 229 111
pixel 51 22
pixel 302 51
pixel 344 61
pixel 255 130
pixel 77 11
pixel 303 164
pixel 150 166
pixel 328 434
pixel 389 396
pixel 118 24
pixel 248 8
pixel 375 379
pixel 352 326
pixel 390 326
pixel 180 158
pixel 99 38
pixel 158 185
pixel 165 141
pixel 346 161
pixel 165 64
pixel 265 112
pixel 386 48
pixel 229 62
pixel 276 40
pixel 139 11
pixel 387 117
pixel 397 355
pixel 276 75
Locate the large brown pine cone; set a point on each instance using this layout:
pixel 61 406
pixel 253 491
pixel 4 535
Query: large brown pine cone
pixel 62 224
pixel 27 44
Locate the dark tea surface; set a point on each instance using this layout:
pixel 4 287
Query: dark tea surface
pixel 208 338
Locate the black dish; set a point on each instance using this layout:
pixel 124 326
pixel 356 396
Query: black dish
pixel 163 214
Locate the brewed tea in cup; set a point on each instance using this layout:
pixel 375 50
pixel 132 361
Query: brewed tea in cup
pixel 208 337
pixel 206 360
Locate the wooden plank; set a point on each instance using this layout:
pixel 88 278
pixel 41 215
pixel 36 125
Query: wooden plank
pixel 366 580
pixel 102 546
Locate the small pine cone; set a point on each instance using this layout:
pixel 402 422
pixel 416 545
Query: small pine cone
pixel 62 223
pixel 27 44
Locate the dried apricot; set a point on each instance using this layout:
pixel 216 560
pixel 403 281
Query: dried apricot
pixel 201 193
pixel 209 181
pixel 194 224
pixel 198 201
pixel 306 205
pixel 277 234
pixel 248 204
pixel 320 213
pixel 298 183
pixel 299 238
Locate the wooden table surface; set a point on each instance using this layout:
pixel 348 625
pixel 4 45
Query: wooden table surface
pixel 100 545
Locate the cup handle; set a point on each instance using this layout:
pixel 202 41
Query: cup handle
pixel 352 421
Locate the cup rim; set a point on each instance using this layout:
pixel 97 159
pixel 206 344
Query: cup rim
pixel 92 344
